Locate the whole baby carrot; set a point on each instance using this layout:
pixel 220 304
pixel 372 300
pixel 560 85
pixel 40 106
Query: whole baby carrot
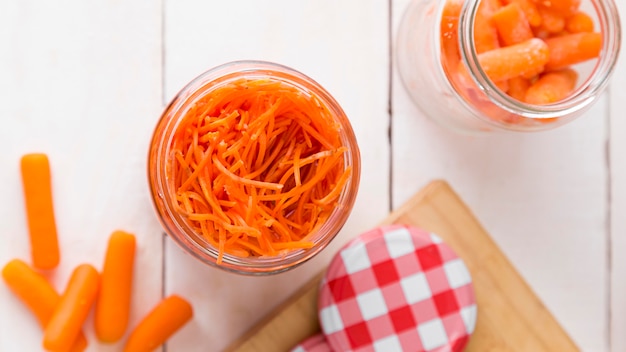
pixel 515 60
pixel 563 7
pixel 161 323
pixel 485 33
pixel 518 87
pixel 551 21
pixel 512 25
pixel 571 49
pixel 39 210
pixel 530 10
pixel 72 310
pixel 579 22
pixel 113 303
pixel 37 294
pixel 552 87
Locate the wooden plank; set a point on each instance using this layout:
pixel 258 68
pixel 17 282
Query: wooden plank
pixel 542 196
pixel 510 316
pixel 343 45
pixel 81 81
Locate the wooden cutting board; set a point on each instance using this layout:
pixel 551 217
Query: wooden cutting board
pixel 510 316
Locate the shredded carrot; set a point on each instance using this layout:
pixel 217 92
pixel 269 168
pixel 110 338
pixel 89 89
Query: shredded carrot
pixel 256 166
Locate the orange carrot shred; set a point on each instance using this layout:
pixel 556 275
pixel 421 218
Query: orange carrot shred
pixel 256 166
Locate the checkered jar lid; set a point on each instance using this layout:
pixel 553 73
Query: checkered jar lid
pixel 315 343
pixel 397 288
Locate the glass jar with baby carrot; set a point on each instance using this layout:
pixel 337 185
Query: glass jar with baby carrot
pixel 253 168
pixel 507 65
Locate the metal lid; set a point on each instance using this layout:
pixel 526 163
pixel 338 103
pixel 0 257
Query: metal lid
pixel 397 288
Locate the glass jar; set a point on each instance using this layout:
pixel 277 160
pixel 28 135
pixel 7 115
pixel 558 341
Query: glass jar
pixel 475 104
pixel 179 228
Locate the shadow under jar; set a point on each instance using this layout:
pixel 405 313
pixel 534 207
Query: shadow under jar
pixel 253 168
pixel 440 59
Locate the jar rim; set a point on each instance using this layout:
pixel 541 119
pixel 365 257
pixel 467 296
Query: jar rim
pixel 582 98
pixel 174 223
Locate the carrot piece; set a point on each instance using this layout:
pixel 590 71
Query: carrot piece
pixel 40 211
pixel 571 49
pixel 502 85
pixel 161 323
pixel 563 7
pixel 579 22
pixel 113 302
pixel 518 87
pixel 530 10
pixel 485 33
pixel 512 25
pixel 72 309
pixel 37 294
pixel 551 21
pixel 552 87
pixel 515 60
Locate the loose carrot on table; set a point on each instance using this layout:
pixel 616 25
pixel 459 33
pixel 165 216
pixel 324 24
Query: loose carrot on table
pixel 515 60
pixel 512 25
pixel 571 49
pixel 113 302
pixel 72 310
pixel 579 22
pixel 161 323
pixel 37 294
pixel 40 211
pixel 257 167
pixel 552 87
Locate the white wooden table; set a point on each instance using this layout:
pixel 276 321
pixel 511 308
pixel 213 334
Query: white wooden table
pixel 86 81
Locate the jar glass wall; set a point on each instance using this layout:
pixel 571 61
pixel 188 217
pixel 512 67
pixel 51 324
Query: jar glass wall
pixel 179 226
pixel 473 103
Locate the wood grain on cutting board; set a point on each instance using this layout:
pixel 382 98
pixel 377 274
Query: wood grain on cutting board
pixel 510 316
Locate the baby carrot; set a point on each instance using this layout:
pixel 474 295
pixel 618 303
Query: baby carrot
pixel 161 323
pixel 72 310
pixel 552 87
pixel 551 21
pixel 571 49
pixel 39 210
pixel 563 7
pixel 485 33
pixel 530 10
pixel 113 303
pixel 37 294
pixel 512 25
pixel 518 87
pixel 515 60
pixel 579 22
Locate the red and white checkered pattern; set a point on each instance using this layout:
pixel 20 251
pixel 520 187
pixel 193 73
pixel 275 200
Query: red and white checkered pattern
pixel 315 343
pixel 397 288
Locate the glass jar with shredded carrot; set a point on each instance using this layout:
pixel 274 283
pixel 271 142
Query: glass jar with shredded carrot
pixel 253 167
pixel 507 65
